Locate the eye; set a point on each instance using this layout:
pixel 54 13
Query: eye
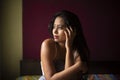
pixel 60 26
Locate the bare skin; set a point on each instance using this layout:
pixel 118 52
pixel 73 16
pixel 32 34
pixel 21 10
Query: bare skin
pixel 60 48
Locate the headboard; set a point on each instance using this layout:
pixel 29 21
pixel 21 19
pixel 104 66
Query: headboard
pixel 32 67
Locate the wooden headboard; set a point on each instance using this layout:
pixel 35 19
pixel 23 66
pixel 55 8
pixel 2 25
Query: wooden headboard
pixel 32 67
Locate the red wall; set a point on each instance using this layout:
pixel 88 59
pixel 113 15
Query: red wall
pixel 100 21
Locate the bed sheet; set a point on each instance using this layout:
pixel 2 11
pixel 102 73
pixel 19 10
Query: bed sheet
pixel 94 77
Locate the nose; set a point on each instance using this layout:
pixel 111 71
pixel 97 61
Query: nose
pixel 55 31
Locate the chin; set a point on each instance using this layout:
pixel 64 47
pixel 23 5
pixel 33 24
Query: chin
pixel 56 40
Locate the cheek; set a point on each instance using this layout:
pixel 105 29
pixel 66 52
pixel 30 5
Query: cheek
pixel 62 34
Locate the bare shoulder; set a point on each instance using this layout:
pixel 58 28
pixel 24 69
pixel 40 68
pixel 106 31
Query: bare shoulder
pixel 48 42
pixel 48 48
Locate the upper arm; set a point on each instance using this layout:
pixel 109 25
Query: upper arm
pixel 47 54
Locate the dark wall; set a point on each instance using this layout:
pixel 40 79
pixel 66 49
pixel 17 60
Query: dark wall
pixel 100 22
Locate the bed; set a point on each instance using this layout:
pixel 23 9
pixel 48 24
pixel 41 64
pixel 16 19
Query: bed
pixel 31 70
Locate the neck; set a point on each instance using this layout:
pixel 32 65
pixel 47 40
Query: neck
pixel 62 50
pixel 62 44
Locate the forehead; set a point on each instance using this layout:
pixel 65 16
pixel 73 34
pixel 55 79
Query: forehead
pixel 59 20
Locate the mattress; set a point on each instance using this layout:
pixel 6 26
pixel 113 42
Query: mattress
pixel 31 70
pixel 94 77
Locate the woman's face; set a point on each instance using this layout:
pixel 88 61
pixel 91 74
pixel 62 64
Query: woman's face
pixel 58 30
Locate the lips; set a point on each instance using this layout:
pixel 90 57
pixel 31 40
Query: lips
pixel 56 37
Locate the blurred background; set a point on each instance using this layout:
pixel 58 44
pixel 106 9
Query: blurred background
pixel 10 38
pixel 99 19
pixel 24 25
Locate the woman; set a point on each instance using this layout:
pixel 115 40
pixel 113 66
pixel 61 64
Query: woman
pixel 65 55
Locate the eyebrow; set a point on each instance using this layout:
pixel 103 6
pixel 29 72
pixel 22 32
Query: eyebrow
pixel 62 25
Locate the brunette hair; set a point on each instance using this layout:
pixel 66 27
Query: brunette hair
pixel 72 20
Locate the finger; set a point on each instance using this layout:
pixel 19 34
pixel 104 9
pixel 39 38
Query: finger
pixel 71 32
pixel 68 31
pixel 66 34
pixel 71 29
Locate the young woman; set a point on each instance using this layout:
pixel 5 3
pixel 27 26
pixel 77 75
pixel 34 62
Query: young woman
pixel 65 55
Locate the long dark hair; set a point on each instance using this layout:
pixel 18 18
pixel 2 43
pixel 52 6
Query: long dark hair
pixel 72 20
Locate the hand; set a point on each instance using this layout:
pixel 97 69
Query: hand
pixel 70 35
